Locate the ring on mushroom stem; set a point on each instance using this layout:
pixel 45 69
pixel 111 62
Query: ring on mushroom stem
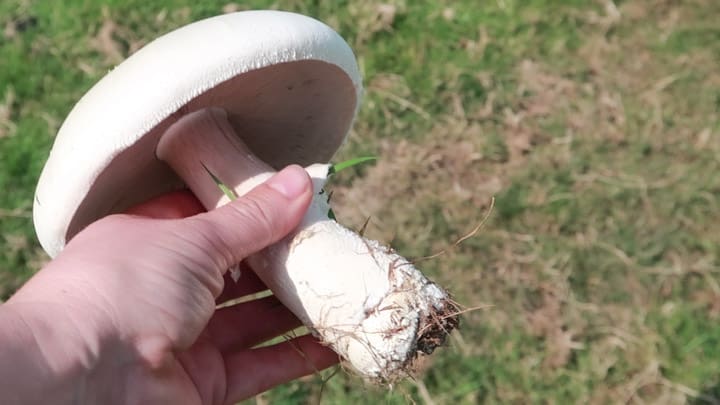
pixel 249 93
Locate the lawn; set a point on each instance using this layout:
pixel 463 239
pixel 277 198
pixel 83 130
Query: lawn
pixel 594 126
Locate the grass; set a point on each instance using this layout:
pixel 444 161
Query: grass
pixel 596 125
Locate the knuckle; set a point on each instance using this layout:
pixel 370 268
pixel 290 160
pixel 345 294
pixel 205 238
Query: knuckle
pixel 258 217
pixel 206 242
pixel 240 228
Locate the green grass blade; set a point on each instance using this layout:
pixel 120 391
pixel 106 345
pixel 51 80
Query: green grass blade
pixel 350 163
pixel 225 189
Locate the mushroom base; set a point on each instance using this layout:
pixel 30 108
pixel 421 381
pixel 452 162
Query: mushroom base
pixel 372 306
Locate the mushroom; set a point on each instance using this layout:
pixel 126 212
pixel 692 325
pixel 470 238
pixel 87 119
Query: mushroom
pixel 239 96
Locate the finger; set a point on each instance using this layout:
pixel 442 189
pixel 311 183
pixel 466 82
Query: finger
pixel 253 371
pixel 247 324
pixel 247 284
pixel 176 204
pixel 261 217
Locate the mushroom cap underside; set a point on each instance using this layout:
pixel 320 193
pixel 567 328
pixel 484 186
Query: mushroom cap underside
pixel 289 83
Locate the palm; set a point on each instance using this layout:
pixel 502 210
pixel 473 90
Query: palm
pixel 199 376
pixel 196 376
pixel 222 366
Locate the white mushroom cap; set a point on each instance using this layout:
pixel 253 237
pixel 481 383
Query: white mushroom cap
pixel 289 83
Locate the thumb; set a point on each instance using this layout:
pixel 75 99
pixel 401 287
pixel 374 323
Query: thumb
pixel 256 220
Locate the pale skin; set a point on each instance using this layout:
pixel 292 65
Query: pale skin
pixel 127 312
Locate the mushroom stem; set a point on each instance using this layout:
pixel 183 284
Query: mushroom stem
pixel 372 306
pixel 204 141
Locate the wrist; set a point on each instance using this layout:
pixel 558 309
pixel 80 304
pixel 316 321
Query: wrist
pixel 41 356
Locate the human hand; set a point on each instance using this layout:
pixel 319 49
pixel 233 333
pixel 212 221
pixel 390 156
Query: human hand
pixel 127 313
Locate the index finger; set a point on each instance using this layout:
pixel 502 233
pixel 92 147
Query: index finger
pixel 173 205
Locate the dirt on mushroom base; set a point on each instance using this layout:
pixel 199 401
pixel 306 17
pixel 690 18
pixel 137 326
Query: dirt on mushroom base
pixel 437 327
pixel 433 333
pixel 372 306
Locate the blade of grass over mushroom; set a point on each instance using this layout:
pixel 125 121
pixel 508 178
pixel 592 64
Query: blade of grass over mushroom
pixel 336 167
pixel 229 193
